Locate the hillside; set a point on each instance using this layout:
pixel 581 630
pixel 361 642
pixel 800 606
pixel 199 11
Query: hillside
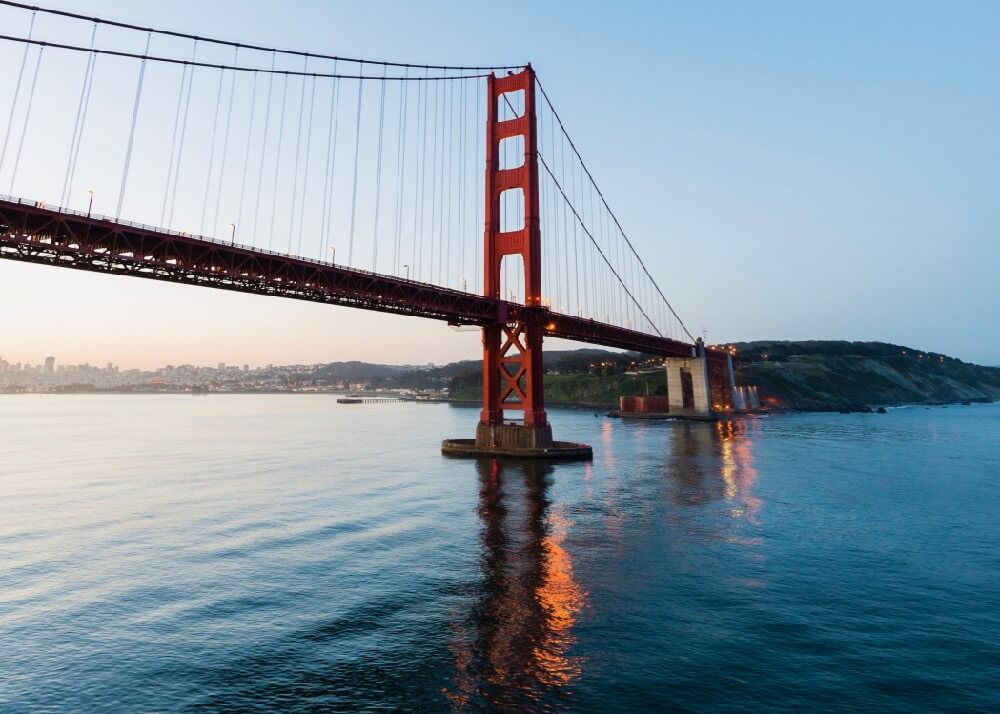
pixel 819 375
pixel 809 375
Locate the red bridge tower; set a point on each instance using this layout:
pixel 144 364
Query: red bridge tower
pixel 512 348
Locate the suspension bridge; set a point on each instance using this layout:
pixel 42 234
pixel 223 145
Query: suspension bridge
pixel 338 180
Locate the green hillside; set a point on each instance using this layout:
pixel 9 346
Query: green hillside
pixel 809 375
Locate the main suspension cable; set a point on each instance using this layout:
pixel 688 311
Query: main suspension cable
pixel 172 33
pixel 236 68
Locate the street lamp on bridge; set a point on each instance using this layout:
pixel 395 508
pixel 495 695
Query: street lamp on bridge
pixel 232 234
pixel 333 254
pixel 407 271
pixel 90 202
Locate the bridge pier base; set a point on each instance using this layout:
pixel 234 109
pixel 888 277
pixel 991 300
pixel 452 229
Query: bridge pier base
pixel 514 436
pixel 516 441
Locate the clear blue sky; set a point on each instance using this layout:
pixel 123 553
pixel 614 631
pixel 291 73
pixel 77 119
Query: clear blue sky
pixel 788 170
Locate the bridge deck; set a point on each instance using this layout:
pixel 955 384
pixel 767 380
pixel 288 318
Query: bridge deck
pixel 35 233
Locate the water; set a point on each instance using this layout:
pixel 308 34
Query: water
pixel 284 553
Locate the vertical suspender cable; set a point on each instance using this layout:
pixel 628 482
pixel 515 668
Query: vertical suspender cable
pixel 17 91
pixel 305 170
pixel 263 150
pixel 565 228
pixel 378 171
pixel 131 133
pixel 63 195
pixel 422 181
pixel 246 152
pixel 400 171
pixel 211 153
pixel 463 162
pixel 451 158
pixel 330 174
pixel 553 235
pixel 277 162
pixel 83 124
pixel 596 268
pixel 578 199
pixel 434 183
pixel 295 163
pixel 173 139
pixel 357 150
pixel 604 280
pixel 225 151
pixel 594 257
pixel 576 246
pixel 439 227
pixel 611 247
pixel 180 146
pixel 27 117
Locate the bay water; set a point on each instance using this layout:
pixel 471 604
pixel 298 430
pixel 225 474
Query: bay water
pixel 261 553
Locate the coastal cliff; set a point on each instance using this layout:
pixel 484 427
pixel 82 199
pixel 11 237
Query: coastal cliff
pixel 834 375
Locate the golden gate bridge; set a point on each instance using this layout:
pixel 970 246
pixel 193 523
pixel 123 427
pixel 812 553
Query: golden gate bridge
pixel 346 181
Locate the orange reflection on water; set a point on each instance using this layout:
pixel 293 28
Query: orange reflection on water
pixel 607 439
pixel 513 643
pixel 737 470
pixel 561 598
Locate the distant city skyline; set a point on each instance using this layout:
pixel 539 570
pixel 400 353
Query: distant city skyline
pixel 787 171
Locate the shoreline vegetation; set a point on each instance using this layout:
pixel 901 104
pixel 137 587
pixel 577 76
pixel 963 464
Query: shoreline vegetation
pixel 815 376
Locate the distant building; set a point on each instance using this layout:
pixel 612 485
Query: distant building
pixel 50 365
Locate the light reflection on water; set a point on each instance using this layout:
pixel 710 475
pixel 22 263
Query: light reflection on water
pixel 284 554
pixel 522 629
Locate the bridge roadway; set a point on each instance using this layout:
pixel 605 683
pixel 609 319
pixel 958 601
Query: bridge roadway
pixel 34 233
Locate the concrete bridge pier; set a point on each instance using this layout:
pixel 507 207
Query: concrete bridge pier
pixel 688 391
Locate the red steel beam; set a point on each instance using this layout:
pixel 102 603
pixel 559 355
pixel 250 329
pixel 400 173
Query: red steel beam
pixel 36 234
pixel 33 233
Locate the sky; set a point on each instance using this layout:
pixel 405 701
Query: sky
pixel 786 170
